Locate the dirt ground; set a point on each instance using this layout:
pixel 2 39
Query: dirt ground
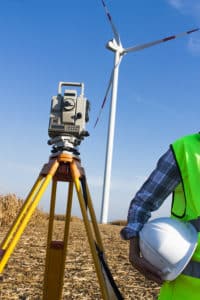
pixel 23 275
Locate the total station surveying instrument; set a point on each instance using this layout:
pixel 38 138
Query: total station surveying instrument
pixel 68 117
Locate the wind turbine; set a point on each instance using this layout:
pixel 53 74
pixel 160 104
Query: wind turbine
pixel 115 45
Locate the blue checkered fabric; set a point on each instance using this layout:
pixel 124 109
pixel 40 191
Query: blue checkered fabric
pixel 159 185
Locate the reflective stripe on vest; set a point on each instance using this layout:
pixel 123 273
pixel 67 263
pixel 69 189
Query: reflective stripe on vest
pixel 196 223
pixel 192 269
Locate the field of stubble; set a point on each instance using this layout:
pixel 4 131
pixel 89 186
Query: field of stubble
pixel 23 275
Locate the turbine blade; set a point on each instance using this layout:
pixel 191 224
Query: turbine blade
pixel 107 90
pixel 115 32
pixel 105 97
pixel 169 38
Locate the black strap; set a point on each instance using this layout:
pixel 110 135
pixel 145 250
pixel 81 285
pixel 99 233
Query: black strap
pixel 108 274
pixel 196 223
pixel 105 269
pixel 192 269
pixel 83 184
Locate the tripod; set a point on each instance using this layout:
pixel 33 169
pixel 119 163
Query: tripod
pixel 62 167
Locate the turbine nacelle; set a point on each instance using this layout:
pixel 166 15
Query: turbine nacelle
pixel 115 47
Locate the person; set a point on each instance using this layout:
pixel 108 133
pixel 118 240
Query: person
pixel 178 172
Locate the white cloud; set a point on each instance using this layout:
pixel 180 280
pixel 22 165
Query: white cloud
pixel 189 7
pixel 176 3
pixel 194 45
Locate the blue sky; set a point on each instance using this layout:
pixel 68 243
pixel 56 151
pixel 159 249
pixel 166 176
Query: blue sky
pixel 44 42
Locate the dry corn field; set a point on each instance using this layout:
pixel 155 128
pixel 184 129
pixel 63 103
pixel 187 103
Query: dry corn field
pixel 23 276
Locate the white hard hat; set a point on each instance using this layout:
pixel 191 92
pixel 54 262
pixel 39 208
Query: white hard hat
pixel 168 244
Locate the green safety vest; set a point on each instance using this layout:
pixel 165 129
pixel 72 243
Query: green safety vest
pixel 186 207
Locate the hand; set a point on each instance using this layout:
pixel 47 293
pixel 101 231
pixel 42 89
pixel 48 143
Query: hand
pixel 143 266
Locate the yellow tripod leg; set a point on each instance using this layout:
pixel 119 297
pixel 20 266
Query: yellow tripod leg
pixel 113 292
pixel 25 217
pixel 68 211
pixel 23 210
pixel 56 251
pixel 93 217
pixel 76 175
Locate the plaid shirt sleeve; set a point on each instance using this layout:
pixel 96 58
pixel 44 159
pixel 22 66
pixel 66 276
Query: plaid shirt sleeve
pixel 161 182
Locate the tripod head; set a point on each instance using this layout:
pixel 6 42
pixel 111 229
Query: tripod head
pixel 68 116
